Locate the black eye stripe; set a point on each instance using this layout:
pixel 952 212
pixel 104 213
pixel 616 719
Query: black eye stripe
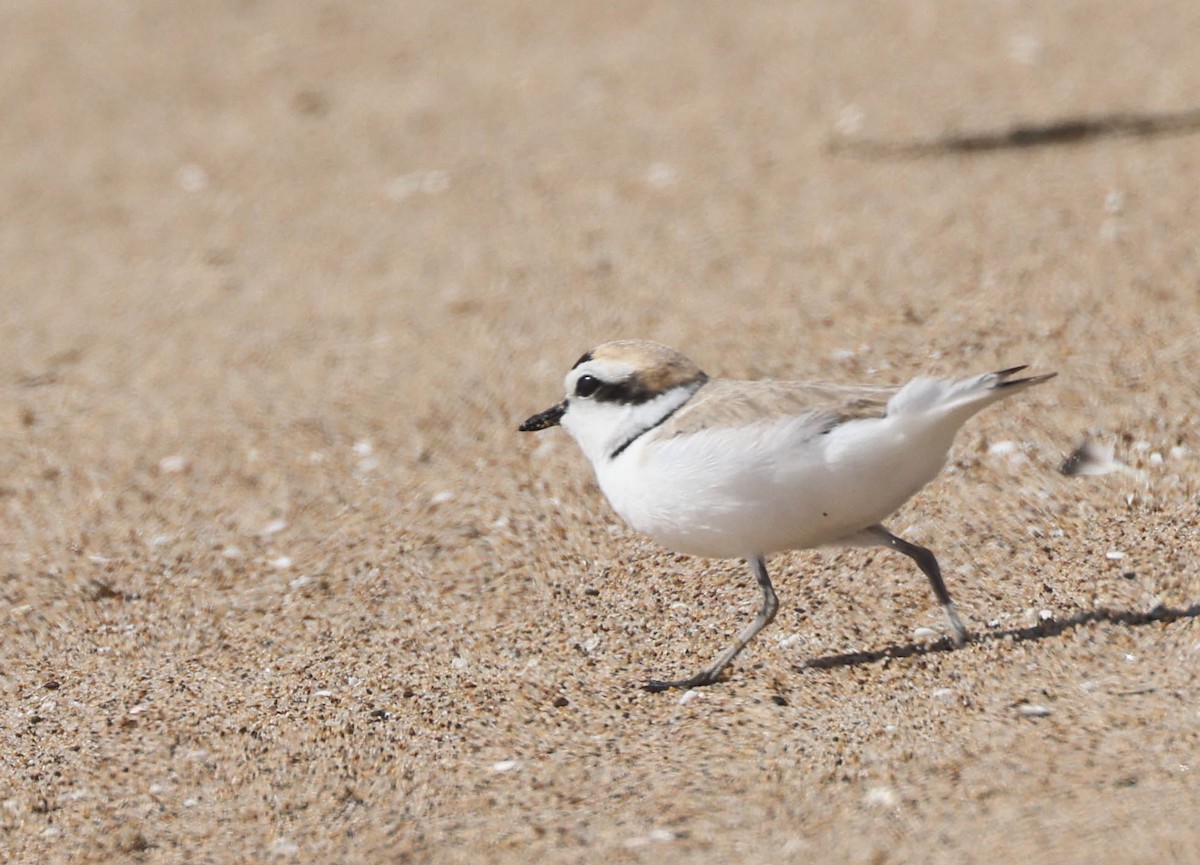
pixel 629 391
pixel 626 392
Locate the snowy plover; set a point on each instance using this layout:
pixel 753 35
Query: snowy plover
pixel 739 469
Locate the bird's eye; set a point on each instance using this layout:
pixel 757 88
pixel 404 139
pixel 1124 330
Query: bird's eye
pixel 587 385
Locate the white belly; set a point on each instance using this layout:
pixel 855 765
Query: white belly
pixel 738 492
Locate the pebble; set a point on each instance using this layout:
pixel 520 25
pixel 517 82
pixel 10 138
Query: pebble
pixel 274 527
pixel 850 120
pixel 660 175
pixel 173 464
pixel 1030 710
pixel 651 837
pixel 430 182
pixel 881 797
pixel 1026 49
pixel 284 847
pixel 1090 459
pixel 191 177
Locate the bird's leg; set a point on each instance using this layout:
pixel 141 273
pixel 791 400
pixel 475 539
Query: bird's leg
pixel 766 614
pixel 926 562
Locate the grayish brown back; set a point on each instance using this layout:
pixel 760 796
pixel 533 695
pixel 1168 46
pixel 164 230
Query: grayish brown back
pixel 724 403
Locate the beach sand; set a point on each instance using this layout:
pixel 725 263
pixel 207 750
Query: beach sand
pixel 280 580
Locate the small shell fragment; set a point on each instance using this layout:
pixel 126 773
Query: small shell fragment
pixel 1031 710
pixel 881 797
pixel 1089 459
pixel 173 464
pixel 274 527
pixel 654 836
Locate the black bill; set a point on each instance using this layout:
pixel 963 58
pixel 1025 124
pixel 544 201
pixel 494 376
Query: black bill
pixel 548 418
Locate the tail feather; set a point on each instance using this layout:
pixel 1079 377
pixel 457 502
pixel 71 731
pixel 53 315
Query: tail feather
pixel 1012 370
pixel 952 396
pixel 1005 381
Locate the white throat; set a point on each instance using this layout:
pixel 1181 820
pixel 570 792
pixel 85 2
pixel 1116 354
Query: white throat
pixel 604 429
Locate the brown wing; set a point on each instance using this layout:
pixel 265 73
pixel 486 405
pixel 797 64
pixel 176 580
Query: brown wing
pixel 723 403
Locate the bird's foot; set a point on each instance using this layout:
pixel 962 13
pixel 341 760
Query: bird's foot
pixel 707 677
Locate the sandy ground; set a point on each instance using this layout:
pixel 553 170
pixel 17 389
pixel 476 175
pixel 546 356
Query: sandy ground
pixel 281 581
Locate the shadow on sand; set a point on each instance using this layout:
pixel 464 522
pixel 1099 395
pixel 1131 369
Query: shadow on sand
pixel 1048 628
pixel 1068 130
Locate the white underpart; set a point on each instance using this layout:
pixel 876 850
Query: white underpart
pixel 775 484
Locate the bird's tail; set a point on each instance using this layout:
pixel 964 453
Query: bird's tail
pixel 962 397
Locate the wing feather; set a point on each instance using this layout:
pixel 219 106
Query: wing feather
pixel 724 403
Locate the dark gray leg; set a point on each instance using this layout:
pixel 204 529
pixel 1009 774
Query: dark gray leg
pixel 926 562
pixel 710 674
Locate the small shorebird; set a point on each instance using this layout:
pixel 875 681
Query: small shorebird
pixel 740 469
